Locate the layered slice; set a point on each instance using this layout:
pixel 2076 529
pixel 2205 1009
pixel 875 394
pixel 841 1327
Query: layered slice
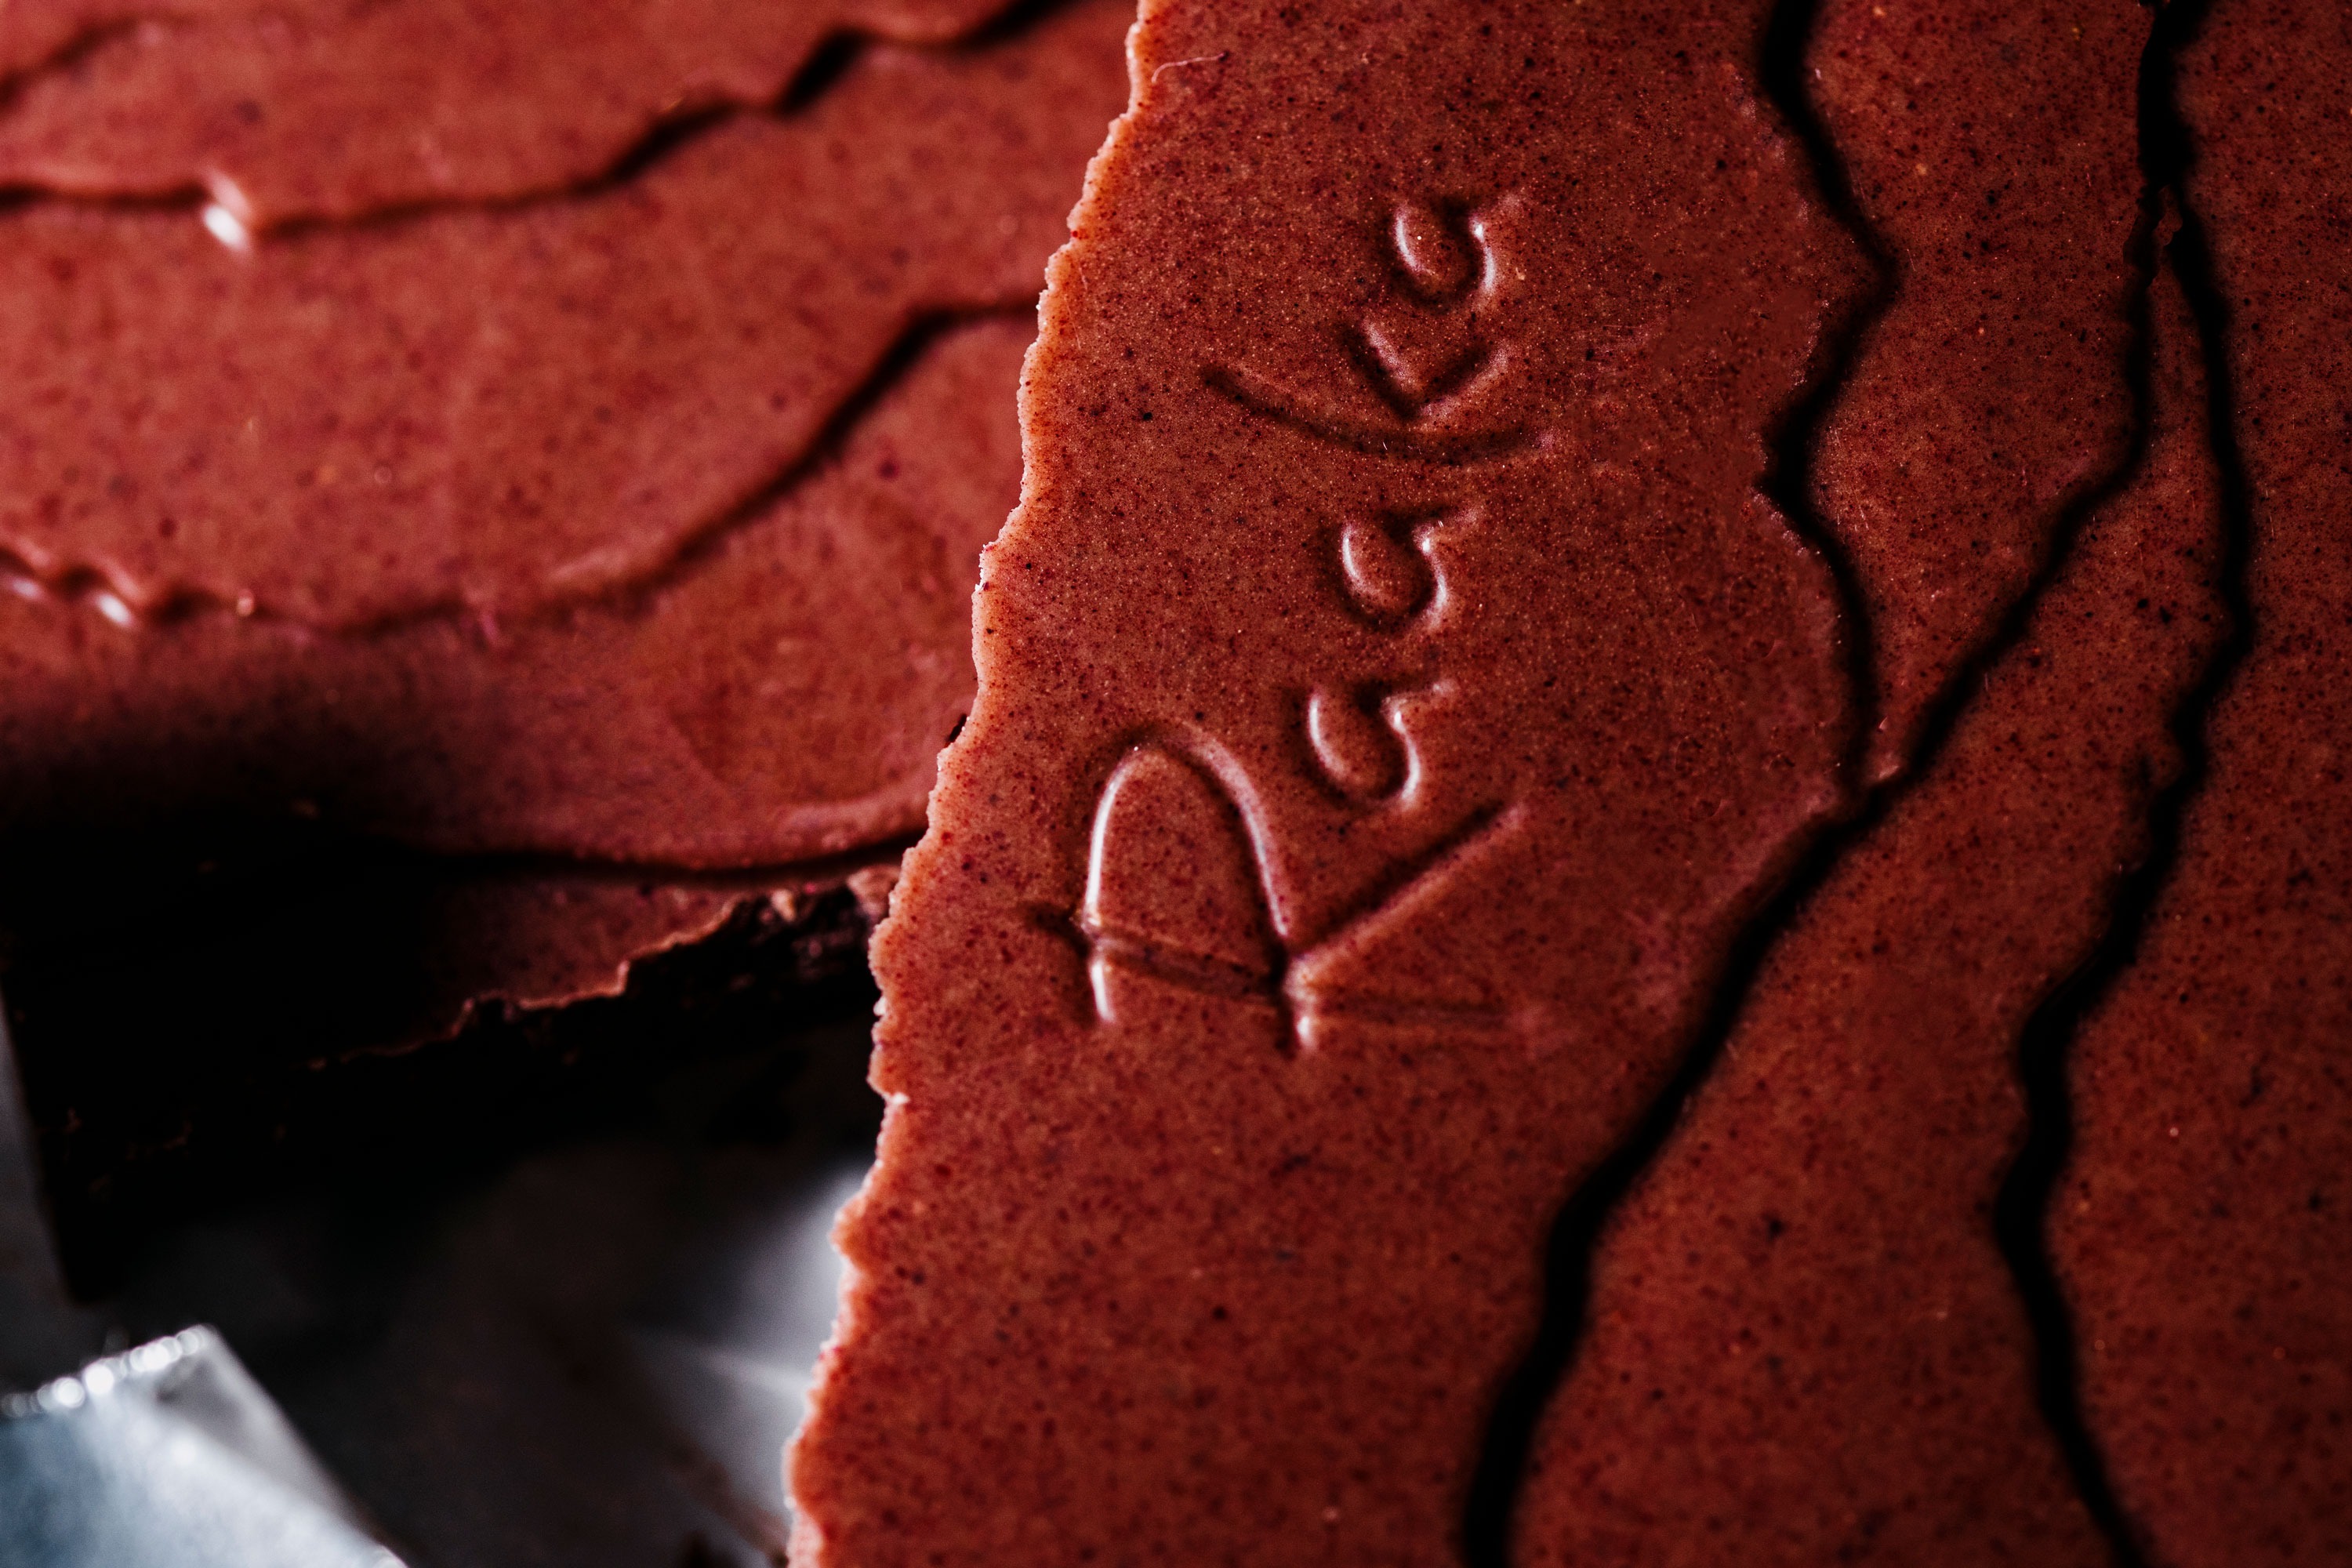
pixel 1806 1331
pixel 287 110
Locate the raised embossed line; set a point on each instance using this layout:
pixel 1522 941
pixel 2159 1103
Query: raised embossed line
pixel 1500 1472
pixel 1287 981
pixel 666 132
pixel 79 583
pixel 1412 874
pixel 1264 397
pixel 1200 972
pixel 1472 365
pixel 2021 1213
pixel 1206 975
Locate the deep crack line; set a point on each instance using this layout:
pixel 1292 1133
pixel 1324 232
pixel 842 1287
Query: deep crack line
pixel 1498 1476
pixel 2020 1215
pixel 79 583
pixel 923 328
pixel 1527 1391
pixel 666 132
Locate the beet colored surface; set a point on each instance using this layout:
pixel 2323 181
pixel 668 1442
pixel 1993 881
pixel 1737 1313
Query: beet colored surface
pixel 1396 692
pixel 781 695
pixel 2200 1230
pixel 635 523
pixel 1398 698
pixel 507 408
pixel 290 110
pixel 596 529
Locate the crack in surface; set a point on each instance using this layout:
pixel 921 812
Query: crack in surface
pixel 2021 1210
pixel 71 574
pixel 77 581
pixel 76 47
pixel 1500 1475
pixel 668 132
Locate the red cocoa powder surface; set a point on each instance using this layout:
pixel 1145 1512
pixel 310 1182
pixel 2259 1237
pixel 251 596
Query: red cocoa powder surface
pixel 1803 1336
pixel 632 521
pixel 1395 694
pixel 1992 152
pixel 291 109
pixel 2199 1231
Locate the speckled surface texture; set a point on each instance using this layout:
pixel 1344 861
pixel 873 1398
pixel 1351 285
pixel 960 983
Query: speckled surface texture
pixel 1391 542
pixel 291 109
pixel 1991 152
pixel 2200 1230
pixel 1562 935
pixel 633 522
pixel 1651 863
pixel 1804 1337
pixel 596 513
pixel 780 697
pixel 501 407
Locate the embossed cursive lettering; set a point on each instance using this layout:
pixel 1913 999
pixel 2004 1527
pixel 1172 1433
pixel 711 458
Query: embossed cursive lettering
pixel 1229 952
pixel 1424 369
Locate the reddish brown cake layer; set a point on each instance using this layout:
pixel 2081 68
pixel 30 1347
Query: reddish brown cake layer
pixel 1395 692
pixel 675 542
pixel 293 109
pixel 191 1032
pixel 2200 1230
pixel 619 529
pixel 779 696
pixel 1804 1345
pixel 1993 149
pixel 504 409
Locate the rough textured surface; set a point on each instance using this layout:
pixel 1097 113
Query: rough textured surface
pixel 246 1024
pixel 782 695
pixel 2201 1229
pixel 1804 1345
pixel 294 108
pixel 1395 691
pixel 505 409
pixel 1991 149
pixel 602 536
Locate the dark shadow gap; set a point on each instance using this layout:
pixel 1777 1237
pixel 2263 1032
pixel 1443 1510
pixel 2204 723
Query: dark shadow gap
pixel 666 132
pixel 1526 1393
pixel 826 65
pixel 905 352
pixel 1527 1390
pixel 2021 1213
